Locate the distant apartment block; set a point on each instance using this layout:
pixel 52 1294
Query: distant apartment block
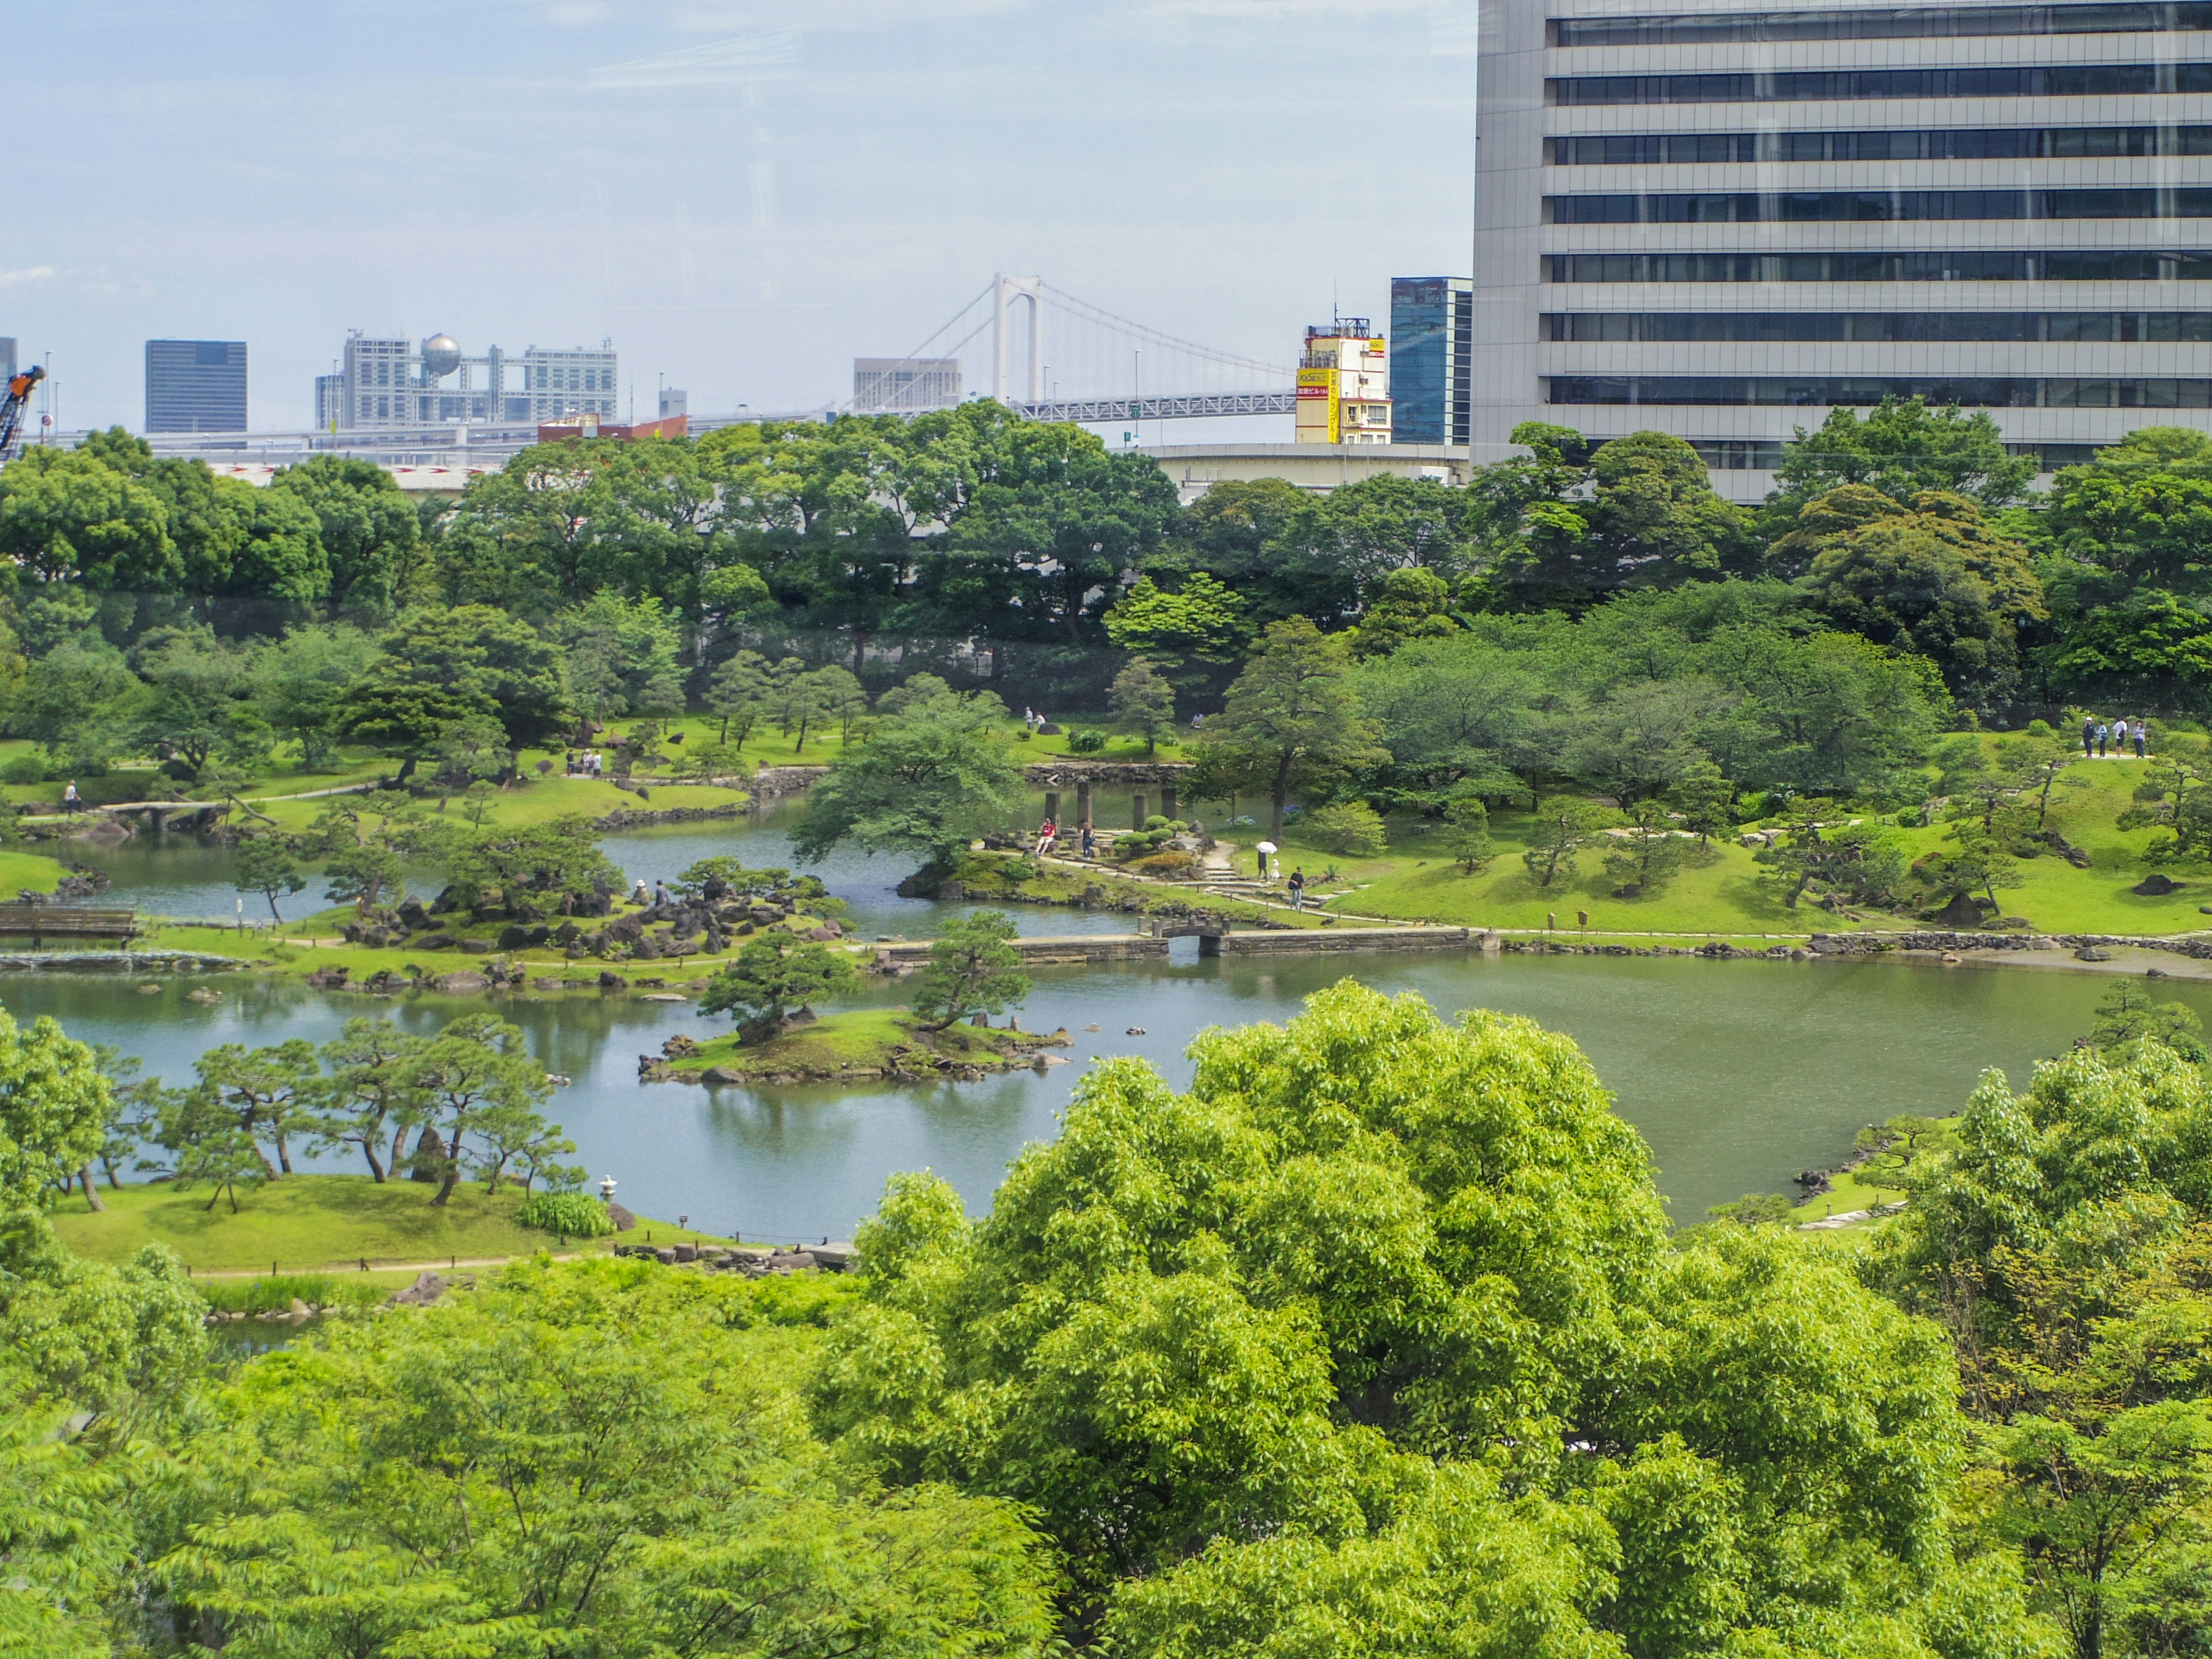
pixel 195 386
pixel 674 403
pixel 1431 379
pixel 892 385
pixel 392 383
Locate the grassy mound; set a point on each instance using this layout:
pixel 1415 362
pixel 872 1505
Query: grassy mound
pixel 308 1221
pixel 867 1041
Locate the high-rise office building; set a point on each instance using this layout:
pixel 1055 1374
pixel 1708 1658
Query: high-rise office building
pixel 386 383
pixel 889 385
pixel 1721 223
pixel 674 402
pixel 195 386
pixel 6 356
pixel 1431 383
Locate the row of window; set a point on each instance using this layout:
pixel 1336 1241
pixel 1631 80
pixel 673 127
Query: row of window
pixel 1832 207
pixel 1988 391
pixel 1935 265
pixel 1844 86
pixel 1957 145
pixel 1930 22
pixel 1764 454
pixel 1883 328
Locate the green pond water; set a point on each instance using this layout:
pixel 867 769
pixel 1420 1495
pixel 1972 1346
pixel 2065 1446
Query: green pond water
pixel 1738 1074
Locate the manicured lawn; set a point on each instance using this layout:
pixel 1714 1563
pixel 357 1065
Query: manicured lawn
pixel 306 1221
pixel 1722 896
pixel 1845 1194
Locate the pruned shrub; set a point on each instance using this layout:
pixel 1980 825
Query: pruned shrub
pixel 1085 742
pixel 576 1215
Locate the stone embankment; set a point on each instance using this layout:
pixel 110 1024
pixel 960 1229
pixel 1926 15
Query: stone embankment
pixel 2197 945
pixel 1037 949
pixel 117 961
pixel 639 817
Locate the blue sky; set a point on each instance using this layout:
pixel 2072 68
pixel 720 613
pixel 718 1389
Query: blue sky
pixel 744 196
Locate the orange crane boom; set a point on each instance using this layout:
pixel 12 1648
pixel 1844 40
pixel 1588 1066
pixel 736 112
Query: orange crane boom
pixel 12 405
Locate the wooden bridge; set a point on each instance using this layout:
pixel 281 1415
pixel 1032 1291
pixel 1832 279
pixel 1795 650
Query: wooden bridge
pixel 41 922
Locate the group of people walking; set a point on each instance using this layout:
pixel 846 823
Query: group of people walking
pixel 2096 734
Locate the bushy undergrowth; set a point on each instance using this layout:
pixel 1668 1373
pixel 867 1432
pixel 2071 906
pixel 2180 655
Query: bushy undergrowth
pixel 577 1215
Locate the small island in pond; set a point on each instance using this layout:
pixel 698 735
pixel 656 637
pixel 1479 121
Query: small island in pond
pixel 864 1044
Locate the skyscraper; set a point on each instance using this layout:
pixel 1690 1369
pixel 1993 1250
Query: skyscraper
pixel 884 385
pixel 1431 326
pixel 1721 223
pixel 195 386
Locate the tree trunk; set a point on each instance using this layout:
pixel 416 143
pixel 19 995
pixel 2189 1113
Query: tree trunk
pixel 406 769
pixel 1282 796
pixel 369 1152
pixel 283 1157
pixel 452 1178
pixel 91 1192
pixel 399 1146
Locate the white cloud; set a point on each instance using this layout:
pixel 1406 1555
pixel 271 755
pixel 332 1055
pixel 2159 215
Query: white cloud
pixel 27 275
pixel 766 56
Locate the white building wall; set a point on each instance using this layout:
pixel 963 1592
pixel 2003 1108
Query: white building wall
pixel 1514 364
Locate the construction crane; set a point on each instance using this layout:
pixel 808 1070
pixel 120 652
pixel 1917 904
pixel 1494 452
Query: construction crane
pixel 12 407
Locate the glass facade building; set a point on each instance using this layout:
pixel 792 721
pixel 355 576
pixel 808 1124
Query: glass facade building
pixel 1431 380
pixel 1722 223
pixel 195 386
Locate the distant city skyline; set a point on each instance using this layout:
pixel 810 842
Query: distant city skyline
pixel 744 203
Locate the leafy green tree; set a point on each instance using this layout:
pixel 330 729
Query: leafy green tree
pixel 774 977
pixel 299 683
pixel 266 1094
pixel 836 694
pixel 1932 580
pixel 1703 799
pixel 265 865
pixel 1648 856
pixel 740 691
pixel 54 1111
pixel 1293 715
pixel 1655 518
pixel 1143 699
pixel 372 1094
pixel 623 656
pixel 557 1464
pixel 2125 1014
pixel 1529 516
pixel 199 706
pixel 1563 826
pixel 1233 534
pixel 972 971
pixel 437 666
pixel 364 841
pixel 477 1074
pixel 1901 448
pixel 1344 546
pixel 1352 828
pixel 1199 622
pixel 367 528
pixel 1414 603
pixel 77 702
pixel 2154 651
pixel 68 516
pixel 1754 1210
pixel 534 868
pixel 2091 1511
pixel 928 779
pixel 1636 744
pixel 1467 831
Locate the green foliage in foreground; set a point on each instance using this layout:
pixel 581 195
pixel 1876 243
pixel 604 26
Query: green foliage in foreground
pixel 1375 1331
pixel 1372 1343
